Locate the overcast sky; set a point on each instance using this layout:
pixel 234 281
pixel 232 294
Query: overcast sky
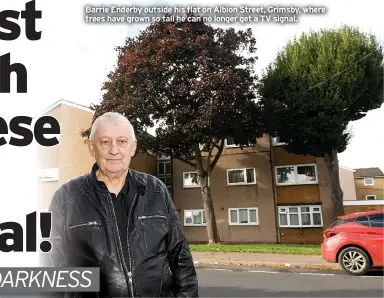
pixel 73 57
pixel 78 56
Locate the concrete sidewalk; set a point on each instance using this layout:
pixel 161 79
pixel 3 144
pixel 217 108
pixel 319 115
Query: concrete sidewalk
pixel 262 260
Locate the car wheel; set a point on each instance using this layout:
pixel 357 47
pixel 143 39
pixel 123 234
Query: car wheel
pixel 354 261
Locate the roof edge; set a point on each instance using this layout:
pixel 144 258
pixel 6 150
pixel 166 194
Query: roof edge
pixel 346 168
pixel 362 177
pixel 68 103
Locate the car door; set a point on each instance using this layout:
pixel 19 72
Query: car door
pixel 376 232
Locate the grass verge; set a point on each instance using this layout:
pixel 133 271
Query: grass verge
pixel 302 249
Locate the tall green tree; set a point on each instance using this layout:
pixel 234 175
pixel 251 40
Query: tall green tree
pixel 197 85
pixel 317 85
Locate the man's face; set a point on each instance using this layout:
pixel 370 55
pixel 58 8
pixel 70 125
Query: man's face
pixel 112 147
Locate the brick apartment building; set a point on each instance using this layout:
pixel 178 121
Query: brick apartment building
pixel 261 193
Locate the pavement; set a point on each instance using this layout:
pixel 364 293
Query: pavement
pixel 209 259
pixel 294 283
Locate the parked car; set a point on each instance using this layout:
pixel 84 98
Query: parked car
pixel 356 241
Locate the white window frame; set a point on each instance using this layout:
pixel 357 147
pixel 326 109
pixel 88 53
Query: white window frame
pixel 368 184
pixel 295 169
pixel 245 175
pixel 193 224
pixel 243 224
pixel 229 146
pixel 41 172
pixel 366 197
pixel 192 186
pixel 276 141
pixel 236 146
pixel 311 212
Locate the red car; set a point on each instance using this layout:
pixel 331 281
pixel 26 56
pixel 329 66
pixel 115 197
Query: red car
pixel 356 241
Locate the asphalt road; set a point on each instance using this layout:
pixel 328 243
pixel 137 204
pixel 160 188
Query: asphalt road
pixel 270 283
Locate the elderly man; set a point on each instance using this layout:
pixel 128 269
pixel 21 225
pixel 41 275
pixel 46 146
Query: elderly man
pixel 122 221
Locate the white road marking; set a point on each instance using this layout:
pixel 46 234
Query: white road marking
pixel 323 274
pixel 222 269
pixel 261 271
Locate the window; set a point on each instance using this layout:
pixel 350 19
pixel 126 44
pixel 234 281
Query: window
pixel 298 174
pixel 278 141
pixel 164 173
pixel 241 176
pixel 377 220
pixel 230 143
pixel 300 216
pixel 194 217
pixel 369 181
pixel 167 181
pixel 370 197
pixel 48 174
pixel 363 220
pixel 243 216
pixel 191 179
pixel 164 167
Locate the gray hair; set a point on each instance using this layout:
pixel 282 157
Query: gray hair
pixel 111 116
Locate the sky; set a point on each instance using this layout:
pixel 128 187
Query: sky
pixel 73 57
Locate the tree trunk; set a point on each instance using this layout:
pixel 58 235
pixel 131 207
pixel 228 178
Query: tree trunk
pixel 332 163
pixel 213 233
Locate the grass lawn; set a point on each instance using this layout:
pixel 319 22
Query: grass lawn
pixel 303 249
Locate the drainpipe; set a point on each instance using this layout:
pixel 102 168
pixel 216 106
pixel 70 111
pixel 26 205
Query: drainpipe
pixel 272 163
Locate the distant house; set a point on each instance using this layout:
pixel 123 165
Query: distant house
pixel 369 184
pixel 347 183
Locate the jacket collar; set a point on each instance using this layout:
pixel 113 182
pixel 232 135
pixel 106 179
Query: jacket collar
pixel 133 181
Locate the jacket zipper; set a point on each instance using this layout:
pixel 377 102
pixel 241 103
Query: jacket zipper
pixel 129 249
pixel 91 223
pixel 151 216
pixel 120 249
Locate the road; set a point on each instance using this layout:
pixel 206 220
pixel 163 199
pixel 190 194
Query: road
pixel 270 283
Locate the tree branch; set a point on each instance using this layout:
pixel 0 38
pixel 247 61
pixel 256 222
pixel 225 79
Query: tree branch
pixel 199 160
pixel 209 157
pixel 217 156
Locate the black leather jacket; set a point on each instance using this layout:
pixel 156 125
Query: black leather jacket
pixel 84 234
